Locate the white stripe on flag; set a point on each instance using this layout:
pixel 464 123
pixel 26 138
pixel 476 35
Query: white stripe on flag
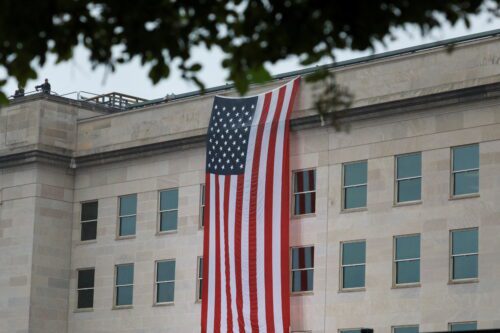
pixel 278 169
pixel 223 290
pixel 232 271
pixel 261 196
pixel 246 214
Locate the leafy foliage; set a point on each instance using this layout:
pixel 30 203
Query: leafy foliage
pixel 249 32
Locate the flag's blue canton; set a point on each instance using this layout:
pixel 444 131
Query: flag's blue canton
pixel 228 134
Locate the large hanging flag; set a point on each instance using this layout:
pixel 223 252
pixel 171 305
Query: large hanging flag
pixel 246 258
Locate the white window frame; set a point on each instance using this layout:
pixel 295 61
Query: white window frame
pixel 341 278
pixel 199 280
pixel 395 261
pixel 78 289
pixel 453 172
pixel 452 256
pixel 157 283
pixel 344 187
pixel 292 270
pixel 201 224
pixel 393 328
pixel 295 194
pixel 118 236
pixel 87 221
pixel 115 289
pixel 461 322
pixel 397 180
pixel 158 224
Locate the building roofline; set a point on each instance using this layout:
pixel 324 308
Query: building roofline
pixel 336 65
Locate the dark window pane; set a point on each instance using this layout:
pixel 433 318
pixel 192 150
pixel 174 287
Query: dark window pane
pixel 305 203
pixel 304 181
pixel 353 253
pixel 168 221
pixel 355 197
pixel 408 271
pixel 169 199
pixel 354 277
pixel 460 327
pixel 125 274
pixel 89 211
pixel 302 280
pixel 127 226
pixel 407 329
pixel 409 166
pixel 202 194
pixel 464 241
pixel 355 173
pixel 165 271
pixel 302 257
pixel 200 268
pixel 124 295
pixel 465 267
pixel 202 215
pixel 200 289
pixel 466 157
pixel 165 292
pixel 407 247
pixel 351 331
pixel 466 182
pixel 128 204
pixel 86 278
pixel 89 231
pixel 409 189
pixel 85 298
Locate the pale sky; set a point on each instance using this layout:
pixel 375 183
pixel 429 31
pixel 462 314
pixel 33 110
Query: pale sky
pixel 132 79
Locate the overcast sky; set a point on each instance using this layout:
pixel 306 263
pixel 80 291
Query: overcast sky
pixel 77 75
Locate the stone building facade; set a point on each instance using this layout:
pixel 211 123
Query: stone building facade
pixel 57 154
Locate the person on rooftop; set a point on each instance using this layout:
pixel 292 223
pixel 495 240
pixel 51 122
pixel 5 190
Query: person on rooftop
pixel 19 92
pixel 45 87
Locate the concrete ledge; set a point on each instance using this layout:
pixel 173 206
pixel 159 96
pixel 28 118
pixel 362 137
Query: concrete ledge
pixel 444 99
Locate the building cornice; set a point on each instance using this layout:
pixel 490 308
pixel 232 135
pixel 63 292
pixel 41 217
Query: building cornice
pixel 403 106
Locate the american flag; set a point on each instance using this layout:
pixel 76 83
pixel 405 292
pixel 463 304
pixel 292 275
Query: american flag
pixel 246 259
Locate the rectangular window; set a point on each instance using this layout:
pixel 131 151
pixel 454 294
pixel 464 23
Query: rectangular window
pixel 405 329
pixel 202 205
pixel 169 207
pixel 85 288
pixel 128 214
pixel 407 259
pixel 304 192
pixel 350 330
pixel 464 254
pixel 302 269
pixel 124 284
pixel 88 221
pixel 465 326
pixel 199 279
pixel 465 170
pixel 408 177
pixel 353 256
pixel 354 185
pixel 165 281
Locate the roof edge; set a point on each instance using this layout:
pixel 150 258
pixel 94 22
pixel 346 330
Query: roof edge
pixel 335 65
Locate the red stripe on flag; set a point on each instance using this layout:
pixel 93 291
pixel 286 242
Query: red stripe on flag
pixel 285 216
pixel 237 247
pixel 252 242
pixel 206 256
pixel 268 209
pixel 227 190
pixel 217 257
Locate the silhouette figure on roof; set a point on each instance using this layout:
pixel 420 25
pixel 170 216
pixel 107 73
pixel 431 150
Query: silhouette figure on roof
pixel 19 92
pixel 45 87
